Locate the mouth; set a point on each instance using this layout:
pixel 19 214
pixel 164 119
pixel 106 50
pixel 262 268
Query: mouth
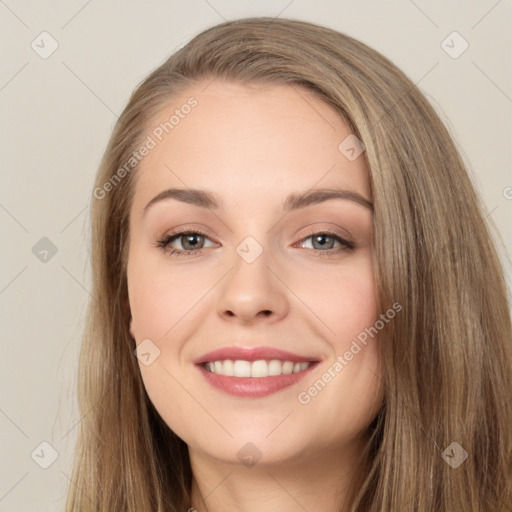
pixel 254 372
pixel 257 369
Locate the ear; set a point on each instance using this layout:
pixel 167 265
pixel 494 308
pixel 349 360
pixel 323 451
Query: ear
pixel 130 328
pixel 128 315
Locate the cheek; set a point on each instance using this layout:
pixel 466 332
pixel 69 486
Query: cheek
pixel 354 309
pixel 343 301
pixel 347 384
pixel 148 306
pixel 159 296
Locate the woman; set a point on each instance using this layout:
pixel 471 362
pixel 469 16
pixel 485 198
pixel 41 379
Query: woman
pixel 298 305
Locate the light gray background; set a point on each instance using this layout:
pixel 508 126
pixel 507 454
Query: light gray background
pixel 58 112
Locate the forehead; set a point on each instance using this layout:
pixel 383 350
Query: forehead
pixel 249 143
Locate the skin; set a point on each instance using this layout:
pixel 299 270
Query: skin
pixel 253 145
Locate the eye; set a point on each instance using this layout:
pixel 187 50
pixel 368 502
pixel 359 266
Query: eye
pixel 191 241
pixel 325 241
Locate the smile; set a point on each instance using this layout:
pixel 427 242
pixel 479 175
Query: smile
pixel 258 369
pixel 253 372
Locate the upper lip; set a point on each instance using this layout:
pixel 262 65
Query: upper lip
pixel 251 354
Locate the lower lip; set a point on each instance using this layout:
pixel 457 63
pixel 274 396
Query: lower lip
pixel 254 387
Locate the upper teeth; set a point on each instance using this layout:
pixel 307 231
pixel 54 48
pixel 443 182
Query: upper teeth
pixel 260 368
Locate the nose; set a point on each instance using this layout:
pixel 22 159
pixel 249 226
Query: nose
pixel 253 292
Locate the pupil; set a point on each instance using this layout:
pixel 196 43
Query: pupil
pixel 321 239
pixel 189 239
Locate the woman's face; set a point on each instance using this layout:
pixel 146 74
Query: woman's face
pixel 269 265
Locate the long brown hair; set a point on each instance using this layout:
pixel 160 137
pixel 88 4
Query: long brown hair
pixel 446 359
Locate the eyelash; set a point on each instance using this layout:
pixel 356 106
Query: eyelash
pixel 163 243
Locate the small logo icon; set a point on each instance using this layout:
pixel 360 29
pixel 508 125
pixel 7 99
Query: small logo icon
pixel 249 455
pixel 146 352
pixel 44 455
pixel 351 147
pixel 454 45
pixel 44 45
pixel 455 455
pixel 44 250
pixel 249 249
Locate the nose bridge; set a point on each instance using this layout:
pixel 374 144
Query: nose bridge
pixel 251 287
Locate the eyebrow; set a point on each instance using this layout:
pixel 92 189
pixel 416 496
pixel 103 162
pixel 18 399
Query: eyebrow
pixel 295 201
